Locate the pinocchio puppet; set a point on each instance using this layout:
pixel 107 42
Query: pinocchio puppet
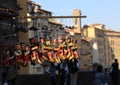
pixel 42 53
pixel 75 48
pixel 55 51
pixel 61 46
pixel 18 55
pixel 26 55
pixel 48 50
pixel 34 49
pixel 69 44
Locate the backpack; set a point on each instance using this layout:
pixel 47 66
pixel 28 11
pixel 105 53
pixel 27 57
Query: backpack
pixel 73 66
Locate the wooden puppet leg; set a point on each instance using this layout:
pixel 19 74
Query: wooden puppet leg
pixel 42 54
pixel 76 54
pixel 32 61
pixel 50 57
pixel 44 57
pixel 62 56
pixel 71 56
pixel 26 60
pixel 68 53
pixel 34 56
pixel 57 59
pixel 39 61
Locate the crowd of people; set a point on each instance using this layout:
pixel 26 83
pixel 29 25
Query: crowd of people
pixel 67 72
pixel 106 76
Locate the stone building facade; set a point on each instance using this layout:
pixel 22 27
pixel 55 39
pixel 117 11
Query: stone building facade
pixel 85 58
pixel 8 12
pixel 112 46
pixel 105 43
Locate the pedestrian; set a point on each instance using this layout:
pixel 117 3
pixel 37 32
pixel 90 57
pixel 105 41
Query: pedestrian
pixel 52 74
pixel 106 79
pixel 115 72
pixel 67 75
pixel 99 76
pixel 62 73
pixel 4 74
pixel 57 73
pixel 73 69
pixel 12 75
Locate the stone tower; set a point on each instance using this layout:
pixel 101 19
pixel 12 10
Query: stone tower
pixel 77 21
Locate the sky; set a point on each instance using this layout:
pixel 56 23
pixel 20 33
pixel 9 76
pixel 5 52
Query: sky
pixel 105 12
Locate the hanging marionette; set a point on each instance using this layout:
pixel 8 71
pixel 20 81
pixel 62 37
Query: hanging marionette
pixel 75 48
pixel 61 46
pixel 55 51
pixel 69 44
pixel 22 51
pixel 34 52
pixel 34 55
pixel 18 54
pixel 48 50
pixel 11 58
pixel 32 44
pixel 5 58
pixel 41 49
pixel 26 55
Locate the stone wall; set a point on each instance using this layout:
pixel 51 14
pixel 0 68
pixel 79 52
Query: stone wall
pixel 84 78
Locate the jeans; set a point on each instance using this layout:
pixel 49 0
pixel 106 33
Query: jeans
pixel 74 78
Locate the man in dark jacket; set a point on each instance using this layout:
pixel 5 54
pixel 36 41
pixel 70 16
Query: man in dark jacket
pixel 115 72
